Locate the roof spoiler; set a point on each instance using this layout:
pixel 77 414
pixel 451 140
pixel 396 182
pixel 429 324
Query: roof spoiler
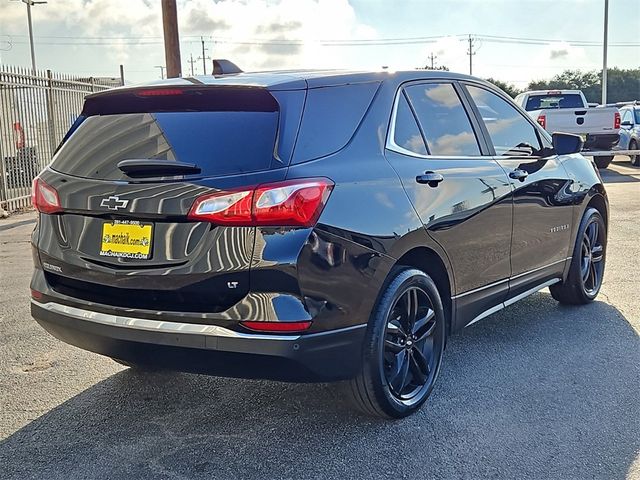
pixel 225 67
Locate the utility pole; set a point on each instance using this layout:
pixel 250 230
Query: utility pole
pixel 204 57
pixel 191 61
pixel 604 52
pixel 432 57
pixel 171 38
pixel 29 4
pixel 471 53
pixel 161 67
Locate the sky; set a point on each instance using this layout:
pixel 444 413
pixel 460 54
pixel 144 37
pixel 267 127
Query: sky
pixel 513 40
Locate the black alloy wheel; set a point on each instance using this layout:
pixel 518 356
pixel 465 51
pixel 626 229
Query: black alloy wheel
pixel 591 263
pixel 586 271
pixel 403 347
pixel 409 360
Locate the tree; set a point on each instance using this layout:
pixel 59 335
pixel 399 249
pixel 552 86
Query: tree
pixel 508 88
pixel 623 85
pixel 428 67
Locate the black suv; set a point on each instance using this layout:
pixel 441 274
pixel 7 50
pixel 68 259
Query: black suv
pixel 308 225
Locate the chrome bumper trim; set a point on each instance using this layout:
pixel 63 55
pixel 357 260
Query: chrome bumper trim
pixel 155 325
pixel 172 327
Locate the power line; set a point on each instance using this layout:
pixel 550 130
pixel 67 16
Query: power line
pixel 368 41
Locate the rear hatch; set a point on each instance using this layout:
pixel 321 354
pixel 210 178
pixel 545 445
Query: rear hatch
pixel 126 178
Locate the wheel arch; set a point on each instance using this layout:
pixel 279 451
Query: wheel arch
pixel 427 260
pixel 599 202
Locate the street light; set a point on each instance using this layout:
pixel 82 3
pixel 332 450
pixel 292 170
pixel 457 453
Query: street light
pixel 604 52
pixel 29 4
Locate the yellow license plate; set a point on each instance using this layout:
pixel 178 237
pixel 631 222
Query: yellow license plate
pixel 126 239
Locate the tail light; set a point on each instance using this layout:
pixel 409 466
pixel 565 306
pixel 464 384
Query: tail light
pixel 542 120
pixel 291 203
pixel 44 197
pixel 277 327
pixel 616 120
pixel 159 92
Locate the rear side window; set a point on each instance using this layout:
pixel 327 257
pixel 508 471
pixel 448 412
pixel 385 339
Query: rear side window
pixel 443 119
pixel 406 133
pixel 331 117
pixel 510 132
pixel 220 143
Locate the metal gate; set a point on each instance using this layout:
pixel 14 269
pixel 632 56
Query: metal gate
pixel 36 110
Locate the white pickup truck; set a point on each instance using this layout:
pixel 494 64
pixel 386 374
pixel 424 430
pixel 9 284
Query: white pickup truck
pixel 567 111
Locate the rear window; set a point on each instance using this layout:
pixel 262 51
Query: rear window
pixel 223 131
pixel 220 143
pixel 542 102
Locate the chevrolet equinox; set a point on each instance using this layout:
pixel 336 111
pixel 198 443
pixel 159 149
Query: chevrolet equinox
pixel 308 225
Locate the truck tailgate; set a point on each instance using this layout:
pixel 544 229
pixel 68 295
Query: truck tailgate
pixel 581 121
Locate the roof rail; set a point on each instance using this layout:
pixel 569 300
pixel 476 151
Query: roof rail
pixel 224 67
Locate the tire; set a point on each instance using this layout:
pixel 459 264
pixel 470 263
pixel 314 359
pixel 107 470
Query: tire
pixel 635 159
pixel 398 369
pixel 603 162
pixel 587 265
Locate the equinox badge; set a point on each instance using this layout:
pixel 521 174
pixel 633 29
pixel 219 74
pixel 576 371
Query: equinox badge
pixel 114 203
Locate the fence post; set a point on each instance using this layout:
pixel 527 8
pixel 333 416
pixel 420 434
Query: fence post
pixel 4 188
pixel 51 115
pixel 92 84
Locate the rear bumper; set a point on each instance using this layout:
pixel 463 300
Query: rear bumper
pixel 605 141
pixel 209 349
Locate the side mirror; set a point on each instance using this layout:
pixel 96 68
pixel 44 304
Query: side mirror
pixel 626 123
pixel 566 143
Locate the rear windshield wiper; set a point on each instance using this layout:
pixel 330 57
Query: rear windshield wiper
pixel 149 167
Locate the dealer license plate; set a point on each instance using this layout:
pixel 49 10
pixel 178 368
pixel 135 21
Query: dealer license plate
pixel 126 239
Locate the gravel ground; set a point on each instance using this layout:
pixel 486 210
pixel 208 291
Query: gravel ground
pixel 536 391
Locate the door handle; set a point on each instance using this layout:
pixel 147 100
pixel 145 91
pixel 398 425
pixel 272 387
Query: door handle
pixel 518 174
pixel 430 178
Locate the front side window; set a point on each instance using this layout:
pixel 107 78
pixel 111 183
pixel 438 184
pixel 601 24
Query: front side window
pixel 443 119
pixel 510 132
pixel 626 117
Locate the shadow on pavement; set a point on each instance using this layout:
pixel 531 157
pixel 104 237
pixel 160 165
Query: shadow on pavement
pixel 536 391
pixel 624 176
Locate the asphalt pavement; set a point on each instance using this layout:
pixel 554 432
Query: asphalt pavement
pixel 536 391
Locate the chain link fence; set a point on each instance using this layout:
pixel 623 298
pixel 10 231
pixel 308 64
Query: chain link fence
pixel 36 110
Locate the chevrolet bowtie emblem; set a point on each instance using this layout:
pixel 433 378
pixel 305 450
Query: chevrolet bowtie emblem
pixel 114 203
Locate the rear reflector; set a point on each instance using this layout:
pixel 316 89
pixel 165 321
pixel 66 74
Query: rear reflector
pixel 36 295
pixel 616 120
pixel 290 203
pixel 44 197
pixel 277 327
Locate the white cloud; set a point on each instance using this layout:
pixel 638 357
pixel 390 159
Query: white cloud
pixel 564 52
pixel 244 28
